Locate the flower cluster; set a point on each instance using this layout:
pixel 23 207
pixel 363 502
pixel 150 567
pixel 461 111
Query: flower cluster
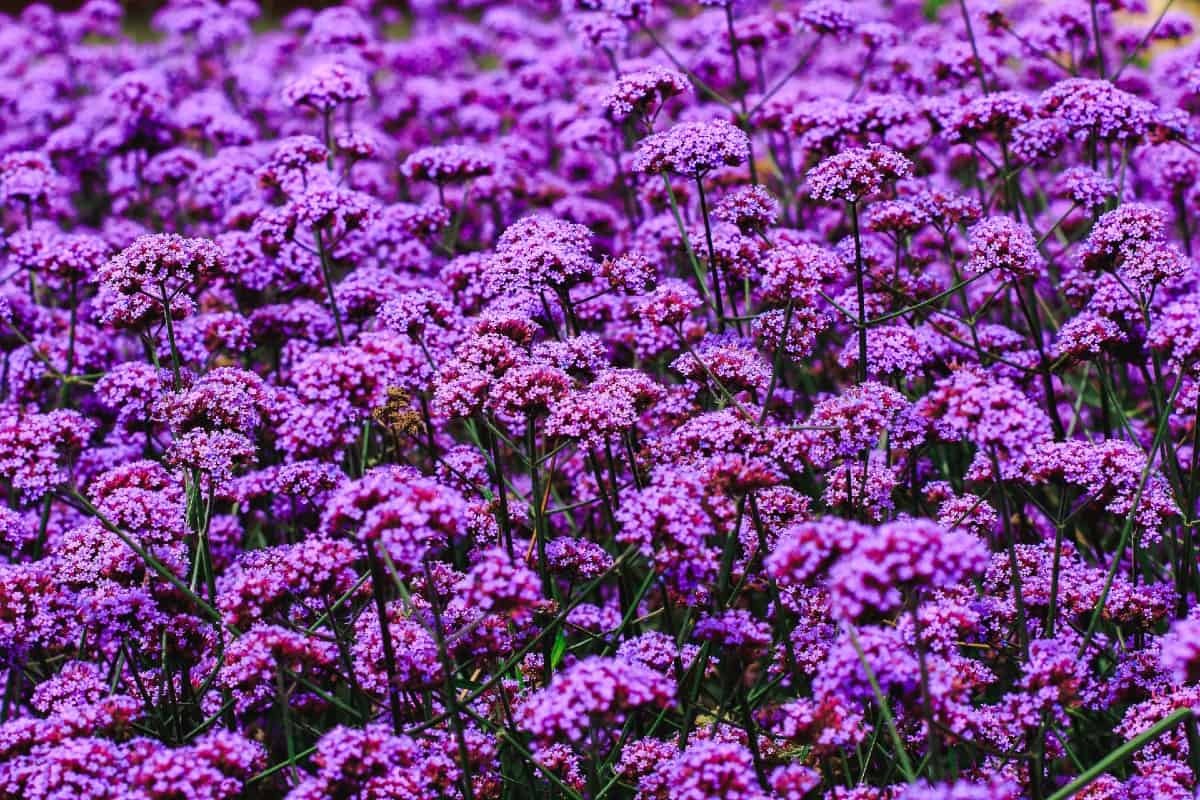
pixel 693 148
pixel 651 401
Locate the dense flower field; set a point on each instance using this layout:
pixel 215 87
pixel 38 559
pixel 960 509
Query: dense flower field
pixel 664 401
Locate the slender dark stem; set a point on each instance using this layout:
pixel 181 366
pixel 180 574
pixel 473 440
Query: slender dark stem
pixel 713 269
pixel 932 738
pixel 378 581
pixel 176 376
pixel 327 277
pixel 448 693
pixel 860 292
pixel 1097 43
pixel 966 15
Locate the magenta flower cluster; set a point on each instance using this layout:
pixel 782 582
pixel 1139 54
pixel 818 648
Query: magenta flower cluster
pixel 718 400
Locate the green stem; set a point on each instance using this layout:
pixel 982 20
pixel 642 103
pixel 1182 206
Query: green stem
pixel 777 362
pixel 687 242
pixel 448 693
pixel 713 270
pixel 1127 528
pixel 897 742
pixel 175 370
pixel 327 277
pixel 1121 753
pixel 549 629
pixel 932 738
pixel 284 701
pixel 152 562
pixel 860 292
pixel 389 649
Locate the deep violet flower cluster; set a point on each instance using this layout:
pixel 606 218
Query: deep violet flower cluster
pixel 711 400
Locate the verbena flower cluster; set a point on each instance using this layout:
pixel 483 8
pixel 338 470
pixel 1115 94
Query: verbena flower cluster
pixel 618 399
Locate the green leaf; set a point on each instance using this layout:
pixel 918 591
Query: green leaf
pixel 560 648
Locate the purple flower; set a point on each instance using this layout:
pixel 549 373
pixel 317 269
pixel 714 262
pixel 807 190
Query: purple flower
pixel 736 630
pixel 1098 108
pixel 669 305
pixel 726 360
pixel 498 584
pixel 806 550
pixel 609 406
pixel 255 660
pixel 591 696
pixel 995 113
pixel 1181 651
pixel 27 177
pixel 579 558
pixel 293 163
pixel 995 788
pixel 157 264
pixel 1040 139
pixel 693 148
pixel 326 87
pixel 752 209
pixel 991 412
pixel 1146 265
pixel 631 272
pixel 829 17
pixel 75 257
pixel 1110 471
pixel 795 272
pixel 417 665
pixel 1004 245
pixel 460 399
pixel 1084 187
pixel 898 217
pixel 709 769
pixel 265 582
pixel 357 760
pixel 1087 335
pixel 448 164
pixel 900 558
pixel 34 448
pixel 857 420
pixel 403 515
pixel 794 781
pixel 636 93
pixel 856 173
pixel 538 252
pixel 1121 229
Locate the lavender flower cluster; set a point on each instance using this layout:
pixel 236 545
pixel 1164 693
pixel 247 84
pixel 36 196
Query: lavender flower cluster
pixel 611 399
